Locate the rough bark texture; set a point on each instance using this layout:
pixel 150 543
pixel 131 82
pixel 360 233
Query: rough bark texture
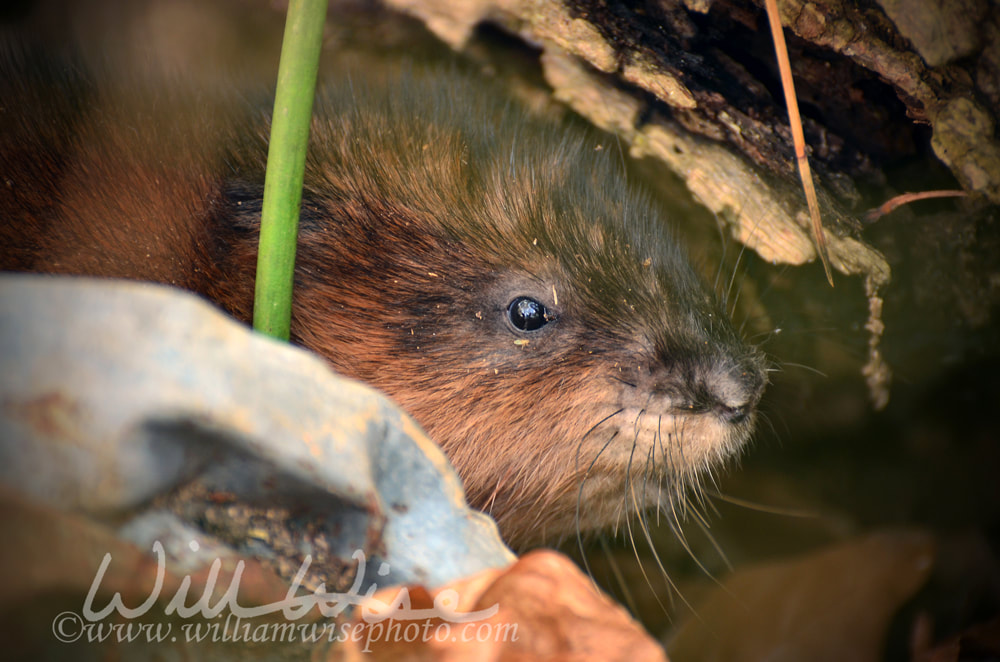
pixel 703 73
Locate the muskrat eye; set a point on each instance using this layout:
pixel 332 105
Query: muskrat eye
pixel 527 314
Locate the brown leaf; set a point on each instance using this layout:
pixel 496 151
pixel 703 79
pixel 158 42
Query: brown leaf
pixel 547 610
pixel 834 604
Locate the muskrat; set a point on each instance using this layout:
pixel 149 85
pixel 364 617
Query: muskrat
pixel 493 272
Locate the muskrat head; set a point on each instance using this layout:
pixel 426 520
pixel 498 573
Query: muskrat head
pixel 500 279
pixel 606 379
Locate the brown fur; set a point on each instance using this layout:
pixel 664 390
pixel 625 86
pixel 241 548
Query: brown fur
pixel 428 207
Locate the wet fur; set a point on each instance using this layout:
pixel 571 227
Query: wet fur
pixel 430 203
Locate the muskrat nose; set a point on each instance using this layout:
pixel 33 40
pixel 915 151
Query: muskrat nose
pixel 732 415
pixel 733 392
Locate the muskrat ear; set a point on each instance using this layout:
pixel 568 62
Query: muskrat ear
pixel 244 201
pixel 527 314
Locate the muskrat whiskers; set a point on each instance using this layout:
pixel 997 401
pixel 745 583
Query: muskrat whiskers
pixel 644 527
pixel 681 536
pixel 762 508
pixel 658 439
pixel 678 505
pixel 671 584
pixel 704 527
pixel 683 492
pixel 579 446
pixel 698 489
pixel 763 417
pixel 698 511
pixel 801 366
pixel 629 489
pixel 767 335
pixel 724 242
pixel 684 479
pixel 647 472
pixel 618 576
pixel 685 497
pixel 667 450
pixel 732 280
pixel 583 482
pixel 736 266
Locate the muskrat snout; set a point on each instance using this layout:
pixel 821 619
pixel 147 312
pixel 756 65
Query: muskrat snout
pixel 726 386
pixel 732 393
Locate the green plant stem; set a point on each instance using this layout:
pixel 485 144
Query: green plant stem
pixel 286 158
